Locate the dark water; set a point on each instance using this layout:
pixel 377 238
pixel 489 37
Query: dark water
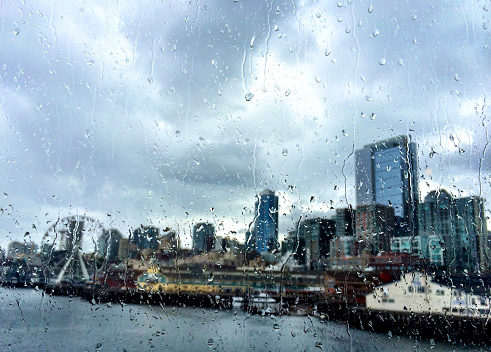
pixel 30 321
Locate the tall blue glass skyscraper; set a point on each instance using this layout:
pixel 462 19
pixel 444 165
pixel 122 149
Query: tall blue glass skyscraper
pixel 387 174
pixel 266 224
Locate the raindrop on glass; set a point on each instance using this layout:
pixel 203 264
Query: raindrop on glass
pixel 382 61
pixel 249 96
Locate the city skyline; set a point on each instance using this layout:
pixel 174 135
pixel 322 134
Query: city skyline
pixel 223 100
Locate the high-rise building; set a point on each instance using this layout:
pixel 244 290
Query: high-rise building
pixel 146 237
pixel 265 235
pixel 460 226
pixel 374 228
pixel 387 174
pixel 108 245
pixel 314 239
pixel 345 220
pixel 203 237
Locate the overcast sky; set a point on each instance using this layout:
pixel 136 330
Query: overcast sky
pixel 174 112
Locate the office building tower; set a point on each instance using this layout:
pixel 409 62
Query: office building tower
pixel 108 245
pixel 203 237
pixel 345 220
pixel 313 242
pixel 374 228
pixel 146 237
pixel 387 174
pixel 459 224
pixel 265 234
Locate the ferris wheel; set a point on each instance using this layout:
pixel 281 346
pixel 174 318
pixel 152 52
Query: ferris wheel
pixel 68 246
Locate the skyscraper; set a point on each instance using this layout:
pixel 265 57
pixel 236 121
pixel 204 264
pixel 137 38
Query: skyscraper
pixel 266 222
pixel 387 174
pixel 203 237
pixel 460 224
pixel 108 244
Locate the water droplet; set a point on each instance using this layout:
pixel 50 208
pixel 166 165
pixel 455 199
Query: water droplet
pixel 415 17
pixel 319 344
pixel 362 115
pixel 382 61
pixel 318 79
pixel 90 63
pixel 401 62
pixel 285 152
pixel 389 334
pixel 211 277
pixel 276 28
pixel 368 98
pixel 210 342
pixel 16 31
pixel 178 133
pixel 318 15
pixel 336 187
pixel 456 77
pixel 252 42
pixel 372 116
pixel 370 9
pixel 288 92
pixel 376 32
pixel 327 52
pixel 276 326
pixel 87 133
pixel 249 96
pixel 340 4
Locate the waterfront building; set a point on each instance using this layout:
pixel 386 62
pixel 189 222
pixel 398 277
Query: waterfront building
pixel 146 237
pixel 345 219
pixel 386 173
pixel 417 245
pixel 108 245
pixel 459 225
pixel 203 237
pixel 17 250
pixel 341 247
pixel 265 236
pixel 314 237
pixel 374 228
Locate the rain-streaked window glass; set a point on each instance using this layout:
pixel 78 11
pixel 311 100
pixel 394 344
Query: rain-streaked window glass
pixel 245 175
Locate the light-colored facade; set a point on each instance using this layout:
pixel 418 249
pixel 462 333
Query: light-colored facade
pixel 417 293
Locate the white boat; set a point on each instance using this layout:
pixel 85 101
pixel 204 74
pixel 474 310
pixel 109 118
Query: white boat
pixel 264 304
pixel 238 302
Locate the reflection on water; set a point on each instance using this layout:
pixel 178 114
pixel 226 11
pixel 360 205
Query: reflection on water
pixel 31 321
